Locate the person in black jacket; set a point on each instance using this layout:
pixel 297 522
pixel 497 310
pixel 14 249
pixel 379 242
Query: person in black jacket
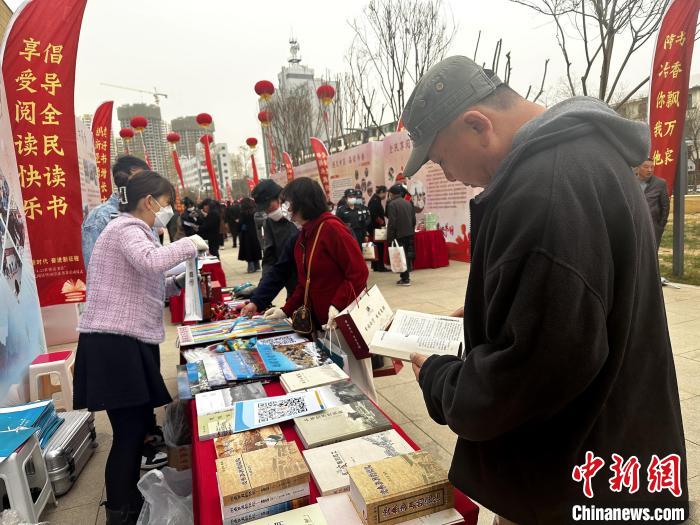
pixel 211 224
pixel 249 250
pixel 567 373
pixel 191 218
pixel 355 214
pixel 233 219
pixel 402 229
pixel 277 226
pixel 378 220
pixel 656 193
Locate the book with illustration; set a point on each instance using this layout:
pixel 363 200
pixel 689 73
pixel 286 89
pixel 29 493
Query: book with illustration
pixel 202 334
pixel 215 409
pixel 248 441
pixel 312 377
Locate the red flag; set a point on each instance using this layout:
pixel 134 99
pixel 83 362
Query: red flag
pixel 206 140
pixel 321 155
pixel 288 166
pixel 255 171
pixel 178 168
pixel 668 94
pixel 39 70
pixel 102 139
pixel 271 148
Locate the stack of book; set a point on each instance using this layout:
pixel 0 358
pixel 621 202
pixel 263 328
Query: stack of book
pixel 312 377
pixel 202 334
pixel 248 441
pixel 215 409
pixel 262 482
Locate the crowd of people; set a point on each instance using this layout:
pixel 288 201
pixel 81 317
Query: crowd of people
pixel 567 352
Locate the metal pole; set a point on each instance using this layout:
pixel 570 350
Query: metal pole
pixel 680 186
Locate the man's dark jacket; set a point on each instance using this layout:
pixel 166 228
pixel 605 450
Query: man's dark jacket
pixel 402 219
pixel 376 211
pixel 278 276
pixel 567 346
pixel 277 235
pixel 656 194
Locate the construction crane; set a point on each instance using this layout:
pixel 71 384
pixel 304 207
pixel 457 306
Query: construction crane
pixel 155 93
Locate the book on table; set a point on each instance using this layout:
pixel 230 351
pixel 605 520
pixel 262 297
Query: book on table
pixel 419 332
pixel 215 409
pixel 248 441
pixel 255 480
pixel 288 358
pixel 256 413
pixel 329 464
pixel 193 335
pixel 340 393
pixel 309 515
pixel 340 423
pixel 396 489
pixel 312 377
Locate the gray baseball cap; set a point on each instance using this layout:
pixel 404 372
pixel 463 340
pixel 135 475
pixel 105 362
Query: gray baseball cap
pixel 442 94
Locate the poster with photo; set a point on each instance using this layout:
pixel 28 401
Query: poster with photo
pixel 358 168
pixel 89 182
pixel 431 192
pixel 307 170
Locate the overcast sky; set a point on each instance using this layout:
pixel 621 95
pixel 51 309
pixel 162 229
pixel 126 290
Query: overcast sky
pixel 207 54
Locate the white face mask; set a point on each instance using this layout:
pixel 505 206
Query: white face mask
pixel 163 215
pixel 276 215
pixel 352 200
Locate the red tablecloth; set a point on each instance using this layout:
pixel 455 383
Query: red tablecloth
pixel 205 493
pixel 177 302
pixel 431 250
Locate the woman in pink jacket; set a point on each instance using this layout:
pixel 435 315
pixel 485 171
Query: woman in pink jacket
pixel 117 366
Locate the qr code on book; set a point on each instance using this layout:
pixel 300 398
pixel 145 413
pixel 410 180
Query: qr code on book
pixel 281 409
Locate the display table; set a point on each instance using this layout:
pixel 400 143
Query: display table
pixel 431 250
pixel 177 302
pixel 205 493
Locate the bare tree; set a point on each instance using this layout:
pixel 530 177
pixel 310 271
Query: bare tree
pixel 293 121
pixel 395 42
pixel 591 29
pixel 692 133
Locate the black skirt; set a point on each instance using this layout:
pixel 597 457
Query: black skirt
pixel 117 371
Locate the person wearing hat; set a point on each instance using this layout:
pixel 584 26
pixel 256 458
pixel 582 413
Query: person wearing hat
pixel 277 226
pixel 567 359
pixel 355 214
pixel 401 228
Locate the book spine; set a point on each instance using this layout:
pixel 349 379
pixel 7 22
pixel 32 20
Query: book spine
pixel 411 505
pixel 254 504
pixel 268 511
pixel 265 490
pixel 352 336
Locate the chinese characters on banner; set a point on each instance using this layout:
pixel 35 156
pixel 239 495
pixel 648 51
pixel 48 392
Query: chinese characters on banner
pixel 102 139
pixel 39 68
pixel 288 166
pixel 670 76
pixel 321 155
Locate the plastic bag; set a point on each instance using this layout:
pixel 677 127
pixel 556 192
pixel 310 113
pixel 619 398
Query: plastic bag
pixel 168 497
pixel 380 234
pixel 176 427
pixel 368 251
pixel 193 293
pixel 397 258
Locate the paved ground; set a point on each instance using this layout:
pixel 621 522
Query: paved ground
pixel 433 291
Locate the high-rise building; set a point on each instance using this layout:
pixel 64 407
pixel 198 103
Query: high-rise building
pixel 153 136
pixel 191 174
pixel 222 165
pixel 190 133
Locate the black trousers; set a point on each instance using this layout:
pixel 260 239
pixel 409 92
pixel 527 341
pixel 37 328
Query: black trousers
pixel 129 428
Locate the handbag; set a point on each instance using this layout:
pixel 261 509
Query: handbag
pixel 368 251
pixel 380 234
pixel 397 258
pixel 301 318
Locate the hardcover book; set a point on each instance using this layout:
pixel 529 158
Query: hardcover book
pixel 329 464
pixel 398 489
pixel 341 423
pixel 312 377
pixel 256 439
pixel 261 478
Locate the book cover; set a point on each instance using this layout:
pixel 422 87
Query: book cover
pixel 329 464
pixel 256 439
pixel 288 358
pixel 341 423
pixel 340 393
pixel 312 377
pixel 215 409
pixel 309 515
pixel 255 474
pixel 268 512
pixel 192 335
pixel 183 383
pixel 197 377
pixel 258 413
pixel 400 488
pixel 400 346
pixel 247 364
pixel 260 505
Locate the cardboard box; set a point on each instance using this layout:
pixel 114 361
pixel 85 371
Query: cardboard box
pixel 180 458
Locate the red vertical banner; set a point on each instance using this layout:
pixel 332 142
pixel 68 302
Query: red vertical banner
pixel 668 94
pixel 38 65
pixel 255 170
pixel 206 140
pixel 288 166
pixel 102 140
pixel 321 155
pixel 271 147
pixel 178 168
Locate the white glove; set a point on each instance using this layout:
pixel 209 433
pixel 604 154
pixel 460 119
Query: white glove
pixel 275 313
pixel 199 243
pixel 332 313
pixel 180 280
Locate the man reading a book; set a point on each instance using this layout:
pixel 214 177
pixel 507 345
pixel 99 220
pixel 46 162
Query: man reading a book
pixel 567 371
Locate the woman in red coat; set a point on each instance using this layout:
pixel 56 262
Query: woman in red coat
pixel 338 270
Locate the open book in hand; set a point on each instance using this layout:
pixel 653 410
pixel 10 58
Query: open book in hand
pixel 419 332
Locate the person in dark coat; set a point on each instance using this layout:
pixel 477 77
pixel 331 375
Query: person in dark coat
pixel 249 250
pixel 211 224
pixel 656 193
pixel 191 218
pixel 355 214
pixel 378 220
pixel 338 271
pixel 402 228
pixel 233 218
pixel 567 373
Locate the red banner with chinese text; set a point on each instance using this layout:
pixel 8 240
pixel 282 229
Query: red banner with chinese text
pixel 321 155
pixel 38 66
pixel 668 94
pixel 102 140
pixel 288 166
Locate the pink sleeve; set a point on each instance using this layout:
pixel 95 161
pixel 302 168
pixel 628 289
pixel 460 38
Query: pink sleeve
pixel 145 255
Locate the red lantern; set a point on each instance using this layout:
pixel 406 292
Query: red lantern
pixel 204 120
pixel 325 93
pixel 265 117
pixel 173 137
pixel 264 89
pixel 126 133
pixel 252 142
pixel 139 123
pixel 206 139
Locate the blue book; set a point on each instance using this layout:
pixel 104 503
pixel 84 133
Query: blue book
pixel 274 361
